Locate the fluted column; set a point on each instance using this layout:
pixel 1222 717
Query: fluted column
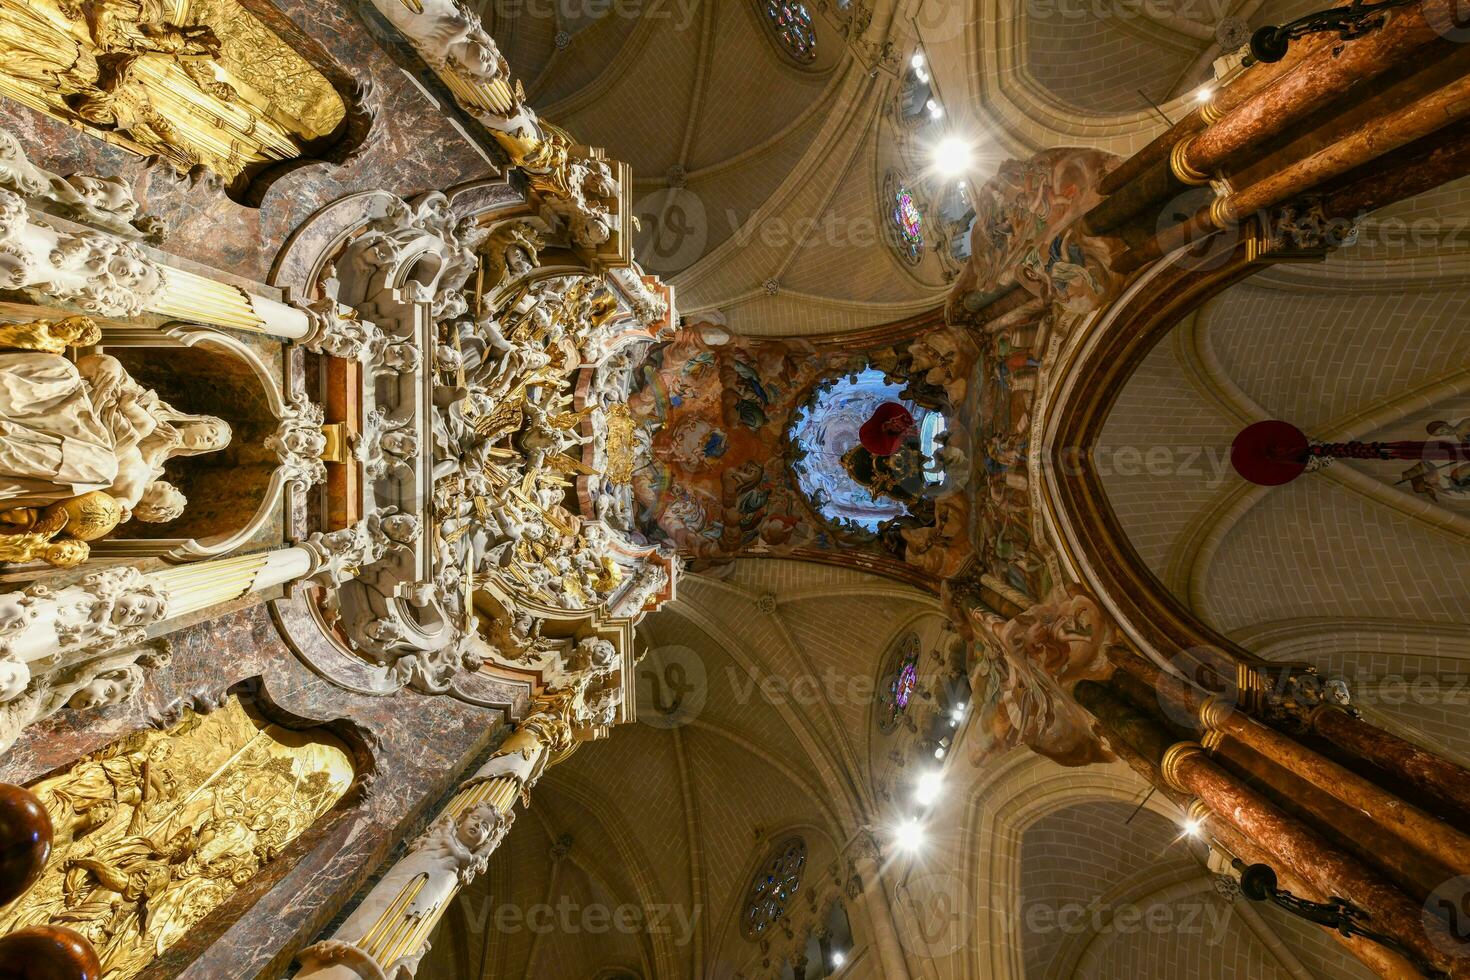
pixel 113 277
pixel 114 606
pixel 387 934
pixel 199 299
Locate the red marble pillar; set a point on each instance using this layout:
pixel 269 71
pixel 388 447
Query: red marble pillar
pixel 1371 139
pixel 1145 177
pixel 1186 769
pixel 1419 830
pixel 1323 78
pixel 1439 777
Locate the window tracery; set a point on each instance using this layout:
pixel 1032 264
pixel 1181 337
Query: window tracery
pixel 774 886
pixel 905 219
pixel 794 27
pixel 899 684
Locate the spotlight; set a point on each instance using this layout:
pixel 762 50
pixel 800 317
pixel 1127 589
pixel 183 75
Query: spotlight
pixel 930 784
pixel 953 156
pixel 921 75
pixel 939 752
pixel 936 111
pixel 908 836
pixel 1204 94
pixel 838 959
pixel 917 60
pixel 1192 828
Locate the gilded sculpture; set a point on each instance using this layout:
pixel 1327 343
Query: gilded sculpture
pixel 203 86
pixel 156 831
pixel 74 433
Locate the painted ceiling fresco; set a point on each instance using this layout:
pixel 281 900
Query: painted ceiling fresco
pixel 748 460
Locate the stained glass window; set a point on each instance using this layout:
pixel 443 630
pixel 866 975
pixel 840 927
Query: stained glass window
pixel 793 24
pixel 901 683
pixel 774 886
pixel 909 221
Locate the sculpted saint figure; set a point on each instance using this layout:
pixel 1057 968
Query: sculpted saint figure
pixel 66 430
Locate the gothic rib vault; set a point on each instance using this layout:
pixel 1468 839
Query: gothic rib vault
pixel 408 567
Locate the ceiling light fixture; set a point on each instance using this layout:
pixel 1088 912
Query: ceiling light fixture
pixel 909 835
pixel 918 59
pixel 953 156
pixel 930 783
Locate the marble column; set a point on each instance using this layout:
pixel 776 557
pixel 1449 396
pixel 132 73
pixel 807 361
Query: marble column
pixel 1321 79
pixel 1438 777
pixel 114 277
pixel 1186 769
pixel 387 934
pixel 1419 830
pixel 199 299
pixel 115 606
pixel 1146 177
pixel 1373 138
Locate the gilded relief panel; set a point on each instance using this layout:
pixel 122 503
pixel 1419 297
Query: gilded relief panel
pixel 198 83
pixel 158 830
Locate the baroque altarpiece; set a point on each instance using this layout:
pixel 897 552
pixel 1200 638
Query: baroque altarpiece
pixel 315 472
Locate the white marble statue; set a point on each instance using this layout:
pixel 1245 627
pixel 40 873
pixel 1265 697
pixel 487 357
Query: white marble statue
pixel 69 429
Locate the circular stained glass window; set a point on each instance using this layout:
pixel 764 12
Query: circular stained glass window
pixel 908 220
pixel 899 687
pixel 774 887
pixel 793 24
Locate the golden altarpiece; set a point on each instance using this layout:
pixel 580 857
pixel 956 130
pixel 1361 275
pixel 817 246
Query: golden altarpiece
pixel 294 538
pixel 317 517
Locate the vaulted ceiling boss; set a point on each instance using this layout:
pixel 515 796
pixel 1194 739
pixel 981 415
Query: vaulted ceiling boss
pixel 877 489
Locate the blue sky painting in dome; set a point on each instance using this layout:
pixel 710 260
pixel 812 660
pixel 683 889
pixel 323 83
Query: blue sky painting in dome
pixel 826 426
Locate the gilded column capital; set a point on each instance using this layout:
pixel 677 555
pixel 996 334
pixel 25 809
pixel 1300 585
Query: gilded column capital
pixel 1173 758
pixel 1214 712
pixel 1180 167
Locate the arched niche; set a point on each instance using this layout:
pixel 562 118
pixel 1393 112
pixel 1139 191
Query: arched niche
pixel 235 496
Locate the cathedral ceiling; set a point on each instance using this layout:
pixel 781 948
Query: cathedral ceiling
pixel 773 738
pixel 1349 567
